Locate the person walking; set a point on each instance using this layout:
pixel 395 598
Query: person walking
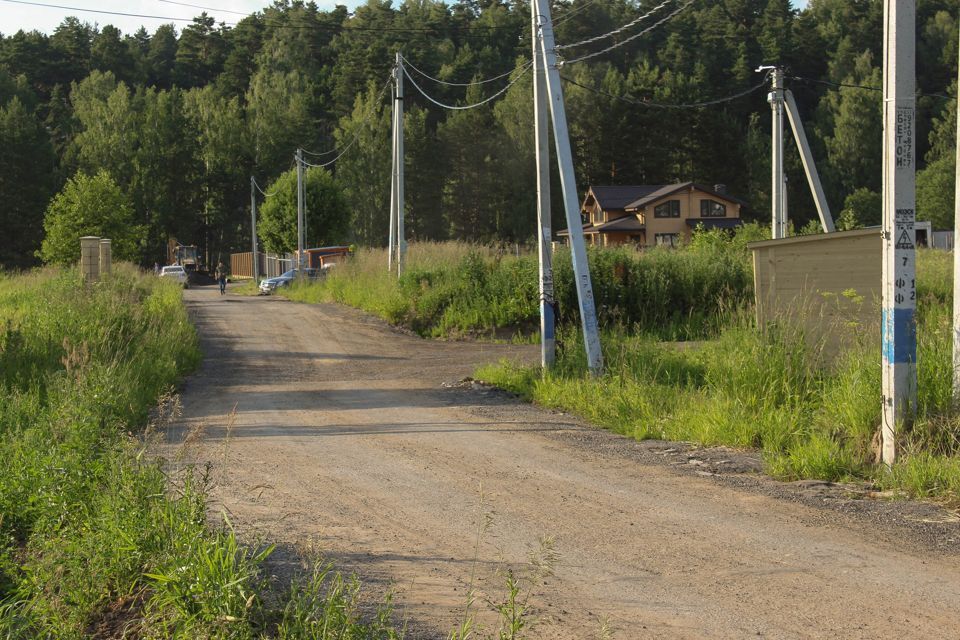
pixel 222 278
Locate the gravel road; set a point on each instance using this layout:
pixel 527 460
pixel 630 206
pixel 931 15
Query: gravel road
pixel 328 429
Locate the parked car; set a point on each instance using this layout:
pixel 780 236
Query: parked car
pixel 272 284
pixel 176 272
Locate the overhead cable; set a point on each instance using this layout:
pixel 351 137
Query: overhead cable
pixel 363 123
pixel 344 148
pixel 847 85
pixel 337 29
pixel 573 12
pixel 200 6
pixel 663 105
pixel 265 194
pixel 523 70
pixel 102 11
pixel 633 37
pixel 407 63
pixel 617 31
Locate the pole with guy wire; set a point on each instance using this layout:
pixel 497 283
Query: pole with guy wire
pixel 253 228
pixel 548 345
pixel 568 183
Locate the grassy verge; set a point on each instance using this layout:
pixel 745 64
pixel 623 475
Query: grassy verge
pixel 813 412
pixel 460 290
pixel 94 540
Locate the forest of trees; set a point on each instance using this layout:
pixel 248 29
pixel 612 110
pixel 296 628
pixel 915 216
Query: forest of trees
pixel 172 124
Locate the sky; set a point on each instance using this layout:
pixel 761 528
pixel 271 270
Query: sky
pixel 14 17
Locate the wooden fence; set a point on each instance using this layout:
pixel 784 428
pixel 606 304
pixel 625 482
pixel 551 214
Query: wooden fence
pixel 269 265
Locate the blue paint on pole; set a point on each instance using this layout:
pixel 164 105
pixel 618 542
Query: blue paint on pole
pixel 547 310
pixel 899 335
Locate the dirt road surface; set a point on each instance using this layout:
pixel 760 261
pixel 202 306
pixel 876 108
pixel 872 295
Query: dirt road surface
pixel 327 428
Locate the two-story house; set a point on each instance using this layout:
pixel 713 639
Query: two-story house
pixel 652 215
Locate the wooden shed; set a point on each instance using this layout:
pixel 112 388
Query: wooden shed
pixel 828 278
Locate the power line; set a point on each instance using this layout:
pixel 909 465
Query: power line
pixel 573 12
pixel 265 194
pixel 363 123
pixel 499 93
pixel 662 105
pixel 616 31
pixel 101 11
pixel 848 85
pixel 633 37
pixel 200 6
pixel 407 63
pixel 331 28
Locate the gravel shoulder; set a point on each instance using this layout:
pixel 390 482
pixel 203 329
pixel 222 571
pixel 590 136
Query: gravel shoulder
pixel 328 429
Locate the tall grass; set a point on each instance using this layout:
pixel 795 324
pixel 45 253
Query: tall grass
pixel 458 289
pixel 813 412
pixel 94 539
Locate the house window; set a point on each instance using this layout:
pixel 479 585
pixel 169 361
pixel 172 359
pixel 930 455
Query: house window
pixel 598 216
pixel 667 239
pixel 712 209
pixel 669 209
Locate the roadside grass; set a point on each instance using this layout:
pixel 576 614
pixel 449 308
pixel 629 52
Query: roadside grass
pixel 453 290
pixel 811 407
pixel 95 539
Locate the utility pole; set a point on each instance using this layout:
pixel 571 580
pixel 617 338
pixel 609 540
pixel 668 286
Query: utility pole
pixel 779 213
pixel 956 264
pixel 391 243
pixel 568 183
pixel 300 212
pixel 253 228
pixel 809 166
pixel 899 328
pixel 401 236
pixel 548 344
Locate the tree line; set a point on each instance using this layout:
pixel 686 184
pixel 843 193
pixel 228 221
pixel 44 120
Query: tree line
pixel 168 126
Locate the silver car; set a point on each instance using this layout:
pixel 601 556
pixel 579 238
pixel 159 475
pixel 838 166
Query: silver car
pixel 176 272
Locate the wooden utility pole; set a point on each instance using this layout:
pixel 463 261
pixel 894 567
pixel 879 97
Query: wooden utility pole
pixel 899 329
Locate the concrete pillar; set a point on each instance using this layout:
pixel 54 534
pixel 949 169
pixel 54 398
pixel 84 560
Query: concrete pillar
pixel 106 256
pixel 90 258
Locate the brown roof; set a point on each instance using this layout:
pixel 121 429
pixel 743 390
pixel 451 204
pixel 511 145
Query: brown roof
pixel 618 196
pixel 670 189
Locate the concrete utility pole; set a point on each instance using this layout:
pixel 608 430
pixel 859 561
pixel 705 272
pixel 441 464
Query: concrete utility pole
pixel 253 229
pixel 899 329
pixel 300 210
pixel 956 263
pixel 777 204
pixel 391 242
pixel 578 252
pixel 398 101
pixel 548 345
pixel 809 166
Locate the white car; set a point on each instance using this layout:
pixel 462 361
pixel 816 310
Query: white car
pixel 175 272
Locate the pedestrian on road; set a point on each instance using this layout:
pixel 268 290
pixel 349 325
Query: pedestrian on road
pixel 222 278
